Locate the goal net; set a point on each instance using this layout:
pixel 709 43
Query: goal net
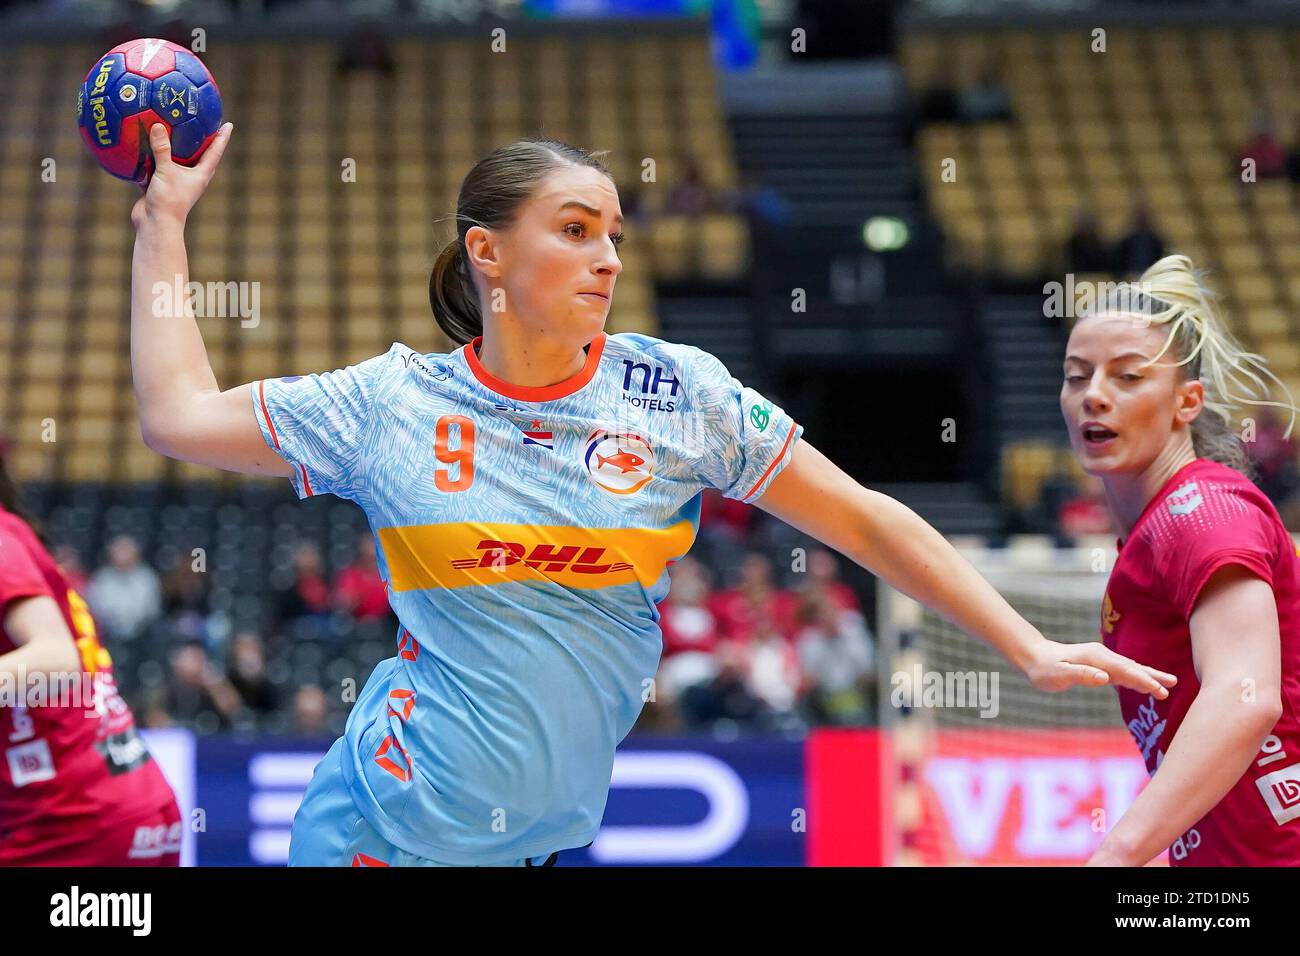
pixel 992 771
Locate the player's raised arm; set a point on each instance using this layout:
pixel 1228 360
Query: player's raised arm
pixel 814 495
pixel 183 411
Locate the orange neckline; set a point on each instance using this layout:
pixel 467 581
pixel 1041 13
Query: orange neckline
pixel 536 393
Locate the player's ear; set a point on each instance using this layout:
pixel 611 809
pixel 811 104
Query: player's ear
pixel 482 250
pixel 1191 400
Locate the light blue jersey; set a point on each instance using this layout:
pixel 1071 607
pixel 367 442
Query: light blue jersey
pixel 524 535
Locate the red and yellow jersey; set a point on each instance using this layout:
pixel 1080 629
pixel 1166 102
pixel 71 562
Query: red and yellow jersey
pixel 1205 517
pixel 70 758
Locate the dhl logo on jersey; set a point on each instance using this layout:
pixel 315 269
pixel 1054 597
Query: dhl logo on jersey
pixel 543 557
pixel 469 553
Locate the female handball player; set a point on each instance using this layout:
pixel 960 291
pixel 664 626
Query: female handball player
pixel 527 492
pixel 1207 582
pixel 77 784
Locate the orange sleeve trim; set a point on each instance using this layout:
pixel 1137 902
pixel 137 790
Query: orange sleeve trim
pixel 775 461
pixel 261 394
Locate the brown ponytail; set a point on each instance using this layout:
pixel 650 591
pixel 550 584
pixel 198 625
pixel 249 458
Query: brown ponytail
pixel 452 295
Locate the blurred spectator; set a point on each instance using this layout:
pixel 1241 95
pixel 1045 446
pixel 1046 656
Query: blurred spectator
pixel 1265 149
pixel 726 697
pixel 199 695
pixel 690 195
pixel 1085 251
pixel 185 589
pixel 310 711
pixel 837 653
pixel 987 100
pixel 359 590
pixel 304 593
pixel 772 672
pixel 1140 247
pixel 246 671
pixel 824 574
pixel 1274 456
pixel 124 595
pixel 1085 512
pixel 185 600
pixel 756 598
pixel 723 519
pixel 689 630
pixel 151 710
pixel 68 559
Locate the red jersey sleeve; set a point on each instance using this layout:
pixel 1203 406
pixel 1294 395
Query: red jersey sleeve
pixel 19 574
pixel 1242 534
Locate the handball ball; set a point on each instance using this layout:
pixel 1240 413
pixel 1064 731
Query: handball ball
pixel 138 84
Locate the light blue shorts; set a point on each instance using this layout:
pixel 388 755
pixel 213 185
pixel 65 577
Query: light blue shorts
pixel 328 830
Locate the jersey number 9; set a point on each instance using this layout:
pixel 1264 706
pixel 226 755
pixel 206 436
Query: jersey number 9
pixel 462 455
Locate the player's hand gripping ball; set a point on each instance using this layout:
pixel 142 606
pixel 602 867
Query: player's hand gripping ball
pixel 138 84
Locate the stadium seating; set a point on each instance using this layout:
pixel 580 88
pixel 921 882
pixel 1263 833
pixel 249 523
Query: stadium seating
pixel 1140 122
pixel 342 266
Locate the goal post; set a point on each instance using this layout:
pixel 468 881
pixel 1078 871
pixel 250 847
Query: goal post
pixel 992 771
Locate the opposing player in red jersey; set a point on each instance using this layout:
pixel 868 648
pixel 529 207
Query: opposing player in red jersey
pixel 77 785
pixel 1207 581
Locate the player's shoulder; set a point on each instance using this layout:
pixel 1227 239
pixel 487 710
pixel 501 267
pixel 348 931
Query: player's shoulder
pixel 426 367
pixel 638 347
pixel 1213 485
pixel 399 353
pixel 1207 499
pixel 12 527
pixel 639 344
pixel 16 538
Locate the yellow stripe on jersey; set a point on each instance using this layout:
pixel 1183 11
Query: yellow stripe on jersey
pixel 475 552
